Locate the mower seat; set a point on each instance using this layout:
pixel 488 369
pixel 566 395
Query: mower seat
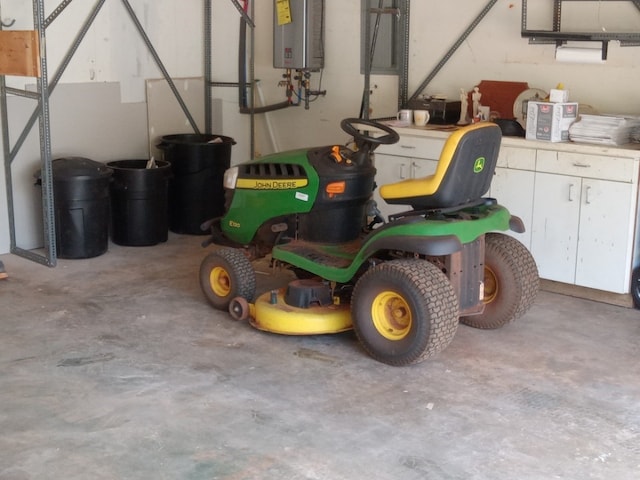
pixel 463 175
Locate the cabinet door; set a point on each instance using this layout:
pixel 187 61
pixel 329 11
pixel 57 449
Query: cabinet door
pixel 514 190
pixel 554 232
pixel 606 235
pixel 421 167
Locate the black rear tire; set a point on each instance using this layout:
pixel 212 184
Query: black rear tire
pixel 404 311
pixel 635 287
pixel 511 282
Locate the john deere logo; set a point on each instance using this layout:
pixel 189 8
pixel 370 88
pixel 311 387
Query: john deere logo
pixel 478 165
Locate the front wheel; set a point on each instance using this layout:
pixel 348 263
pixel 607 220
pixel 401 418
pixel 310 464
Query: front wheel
pixel 226 274
pixel 511 282
pixel 404 311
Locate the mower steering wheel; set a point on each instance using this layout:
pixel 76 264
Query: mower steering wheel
pixel 361 139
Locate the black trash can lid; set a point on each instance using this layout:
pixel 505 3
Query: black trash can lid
pixel 74 167
pixel 137 164
pixel 195 139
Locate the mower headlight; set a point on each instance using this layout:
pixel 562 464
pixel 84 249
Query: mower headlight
pixel 230 178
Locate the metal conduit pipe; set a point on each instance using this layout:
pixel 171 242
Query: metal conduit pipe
pixel 242 78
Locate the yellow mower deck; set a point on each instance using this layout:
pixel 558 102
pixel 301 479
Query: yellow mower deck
pixel 284 319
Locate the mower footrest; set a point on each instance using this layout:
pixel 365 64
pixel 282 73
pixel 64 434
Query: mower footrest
pixel 320 254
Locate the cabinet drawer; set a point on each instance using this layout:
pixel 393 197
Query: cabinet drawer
pixel 517 158
pixel 415 147
pixel 587 166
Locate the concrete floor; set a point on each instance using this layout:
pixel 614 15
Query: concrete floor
pixel 116 368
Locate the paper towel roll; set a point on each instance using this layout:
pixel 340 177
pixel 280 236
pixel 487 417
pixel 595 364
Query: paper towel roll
pixel 579 55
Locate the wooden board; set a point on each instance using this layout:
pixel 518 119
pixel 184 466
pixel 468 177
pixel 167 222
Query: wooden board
pixel 19 53
pixel 499 96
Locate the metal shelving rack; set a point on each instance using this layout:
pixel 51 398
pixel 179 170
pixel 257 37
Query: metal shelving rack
pixel 41 112
pixel 557 36
pixel 402 12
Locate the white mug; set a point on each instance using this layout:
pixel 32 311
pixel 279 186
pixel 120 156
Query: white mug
pixel 421 117
pixel 405 116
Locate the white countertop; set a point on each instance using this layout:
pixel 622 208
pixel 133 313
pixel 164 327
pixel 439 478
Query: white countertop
pixel 631 150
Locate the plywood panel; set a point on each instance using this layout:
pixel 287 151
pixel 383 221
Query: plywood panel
pixel 19 53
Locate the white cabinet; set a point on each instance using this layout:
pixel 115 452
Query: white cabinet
pixel 605 237
pixel 583 227
pixel 556 213
pixel 512 186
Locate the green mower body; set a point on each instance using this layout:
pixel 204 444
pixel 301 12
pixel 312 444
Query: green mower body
pixel 312 211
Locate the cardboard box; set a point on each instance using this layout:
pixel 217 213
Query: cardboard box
pixel 558 96
pixel 550 121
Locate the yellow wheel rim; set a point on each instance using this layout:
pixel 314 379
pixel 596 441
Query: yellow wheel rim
pixel 490 286
pixel 391 315
pixel 220 281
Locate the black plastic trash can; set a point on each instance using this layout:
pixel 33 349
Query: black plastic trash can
pixel 81 204
pixel 139 202
pixel 196 193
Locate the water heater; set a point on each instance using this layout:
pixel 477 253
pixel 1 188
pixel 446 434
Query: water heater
pixel 298 34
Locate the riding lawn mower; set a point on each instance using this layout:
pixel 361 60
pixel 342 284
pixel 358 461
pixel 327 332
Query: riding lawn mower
pixel 404 283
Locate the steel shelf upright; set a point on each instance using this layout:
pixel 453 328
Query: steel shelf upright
pixel 559 37
pixel 34 54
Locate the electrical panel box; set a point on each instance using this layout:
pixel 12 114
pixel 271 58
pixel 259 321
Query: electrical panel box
pixel 298 34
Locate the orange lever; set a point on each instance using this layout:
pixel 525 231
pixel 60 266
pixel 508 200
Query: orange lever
pixel 335 153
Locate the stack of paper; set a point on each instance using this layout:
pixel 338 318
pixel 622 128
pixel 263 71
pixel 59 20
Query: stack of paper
pixel 606 129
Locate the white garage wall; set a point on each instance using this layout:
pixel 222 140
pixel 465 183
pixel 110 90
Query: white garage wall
pixel 493 51
pixel 113 52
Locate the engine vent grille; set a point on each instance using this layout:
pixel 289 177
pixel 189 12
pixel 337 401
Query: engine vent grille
pixel 272 170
